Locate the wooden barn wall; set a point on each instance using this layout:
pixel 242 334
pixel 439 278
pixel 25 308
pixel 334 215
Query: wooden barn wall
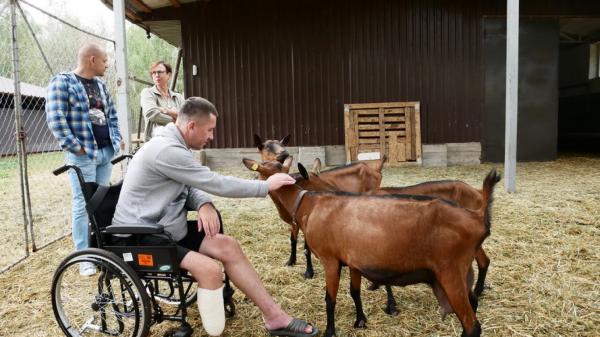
pixel 278 67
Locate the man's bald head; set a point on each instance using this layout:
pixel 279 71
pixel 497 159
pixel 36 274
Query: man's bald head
pixel 92 58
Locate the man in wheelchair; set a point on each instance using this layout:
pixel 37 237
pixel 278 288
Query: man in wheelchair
pixel 164 181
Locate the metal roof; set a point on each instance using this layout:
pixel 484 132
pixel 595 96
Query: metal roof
pixel 7 86
pixel 160 17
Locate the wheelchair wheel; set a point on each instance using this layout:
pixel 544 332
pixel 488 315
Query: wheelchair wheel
pixel 111 302
pixel 165 291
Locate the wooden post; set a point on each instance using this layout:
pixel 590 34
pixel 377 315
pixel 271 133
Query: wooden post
pixel 408 127
pixel 381 132
pixel 417 131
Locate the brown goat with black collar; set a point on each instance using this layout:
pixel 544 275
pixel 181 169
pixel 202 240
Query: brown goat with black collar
pixel 358 177
pixel 395 239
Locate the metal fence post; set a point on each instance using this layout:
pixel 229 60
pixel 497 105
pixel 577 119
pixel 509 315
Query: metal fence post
pixel 122 80
pixel 20 133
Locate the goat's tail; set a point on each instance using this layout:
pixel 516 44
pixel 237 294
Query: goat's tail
pixel 379 167
pixel 489 183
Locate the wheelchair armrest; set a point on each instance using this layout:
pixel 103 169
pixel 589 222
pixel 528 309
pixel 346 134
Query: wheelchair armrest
pixel 137 229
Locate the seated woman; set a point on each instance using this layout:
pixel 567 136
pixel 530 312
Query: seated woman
pixel 159 104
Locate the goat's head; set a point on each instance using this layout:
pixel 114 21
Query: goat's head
pixel 271 150
pixel 268 168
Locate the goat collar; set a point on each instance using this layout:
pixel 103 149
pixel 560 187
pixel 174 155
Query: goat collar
pixel 296 205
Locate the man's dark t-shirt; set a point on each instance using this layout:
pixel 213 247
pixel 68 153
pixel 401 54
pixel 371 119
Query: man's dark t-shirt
pixel 97 113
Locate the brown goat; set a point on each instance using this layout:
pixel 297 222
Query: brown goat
pixel 367 180
pixel 354 178
pixel 462 194
pixel 393 239
pixel 453 190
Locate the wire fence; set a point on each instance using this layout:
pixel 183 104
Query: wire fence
pixel 35 206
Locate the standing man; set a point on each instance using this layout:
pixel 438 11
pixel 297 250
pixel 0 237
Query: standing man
pixel 82 117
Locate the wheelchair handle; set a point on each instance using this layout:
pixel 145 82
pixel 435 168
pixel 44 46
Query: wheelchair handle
pixel 60 170
pixel 77 170
pixel 120 158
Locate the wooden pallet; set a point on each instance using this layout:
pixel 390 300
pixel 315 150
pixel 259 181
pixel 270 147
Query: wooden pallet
pixel 392 129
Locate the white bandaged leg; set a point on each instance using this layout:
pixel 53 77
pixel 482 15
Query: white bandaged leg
pixel 212 311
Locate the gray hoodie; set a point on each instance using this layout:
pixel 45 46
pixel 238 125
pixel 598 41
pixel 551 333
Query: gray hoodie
pixel 164 181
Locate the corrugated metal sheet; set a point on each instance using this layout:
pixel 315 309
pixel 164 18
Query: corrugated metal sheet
pixel 274 67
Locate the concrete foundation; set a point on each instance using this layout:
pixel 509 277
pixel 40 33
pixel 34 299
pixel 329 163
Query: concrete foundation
pixel 334 155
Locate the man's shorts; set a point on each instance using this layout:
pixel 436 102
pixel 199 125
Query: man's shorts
pixel 190 242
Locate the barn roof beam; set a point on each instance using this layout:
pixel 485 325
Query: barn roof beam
pixel 143 7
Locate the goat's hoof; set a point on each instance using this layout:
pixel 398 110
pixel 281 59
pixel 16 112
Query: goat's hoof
pixel 391 311
pixel 309 274
pixel 373 286
pixel 480 289
pixel 361 324
pixel 184 330
pixel 229 309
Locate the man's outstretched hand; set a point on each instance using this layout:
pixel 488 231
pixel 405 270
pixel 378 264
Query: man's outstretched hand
pixel 279 179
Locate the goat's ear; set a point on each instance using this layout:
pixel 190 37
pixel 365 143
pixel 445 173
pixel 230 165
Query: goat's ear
pixel 287 163
pixel 303 171
pixel 316 169
pixel 252 165
pixel 285 140
pixel 258 142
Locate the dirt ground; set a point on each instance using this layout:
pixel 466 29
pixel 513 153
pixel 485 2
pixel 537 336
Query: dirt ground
pixel 544 276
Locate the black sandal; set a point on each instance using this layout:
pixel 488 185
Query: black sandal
pixel 295 329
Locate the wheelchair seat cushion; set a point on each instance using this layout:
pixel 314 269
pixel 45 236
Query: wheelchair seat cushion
pixel 134 229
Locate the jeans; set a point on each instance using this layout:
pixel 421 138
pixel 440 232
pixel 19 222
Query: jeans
pixel 98 171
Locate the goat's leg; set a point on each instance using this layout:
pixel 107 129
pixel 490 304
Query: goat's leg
pixel 355 278
pixel 309 273
pixel 455 286
pixel 472 298
pixel 439 293
pixel 390 307
pixel 293 243
pixel 332 282
pixel 483 262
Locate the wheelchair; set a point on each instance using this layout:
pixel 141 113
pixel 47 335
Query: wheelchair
pixel 124 297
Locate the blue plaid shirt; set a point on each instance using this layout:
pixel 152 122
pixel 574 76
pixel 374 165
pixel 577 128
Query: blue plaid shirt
pixel 67 115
